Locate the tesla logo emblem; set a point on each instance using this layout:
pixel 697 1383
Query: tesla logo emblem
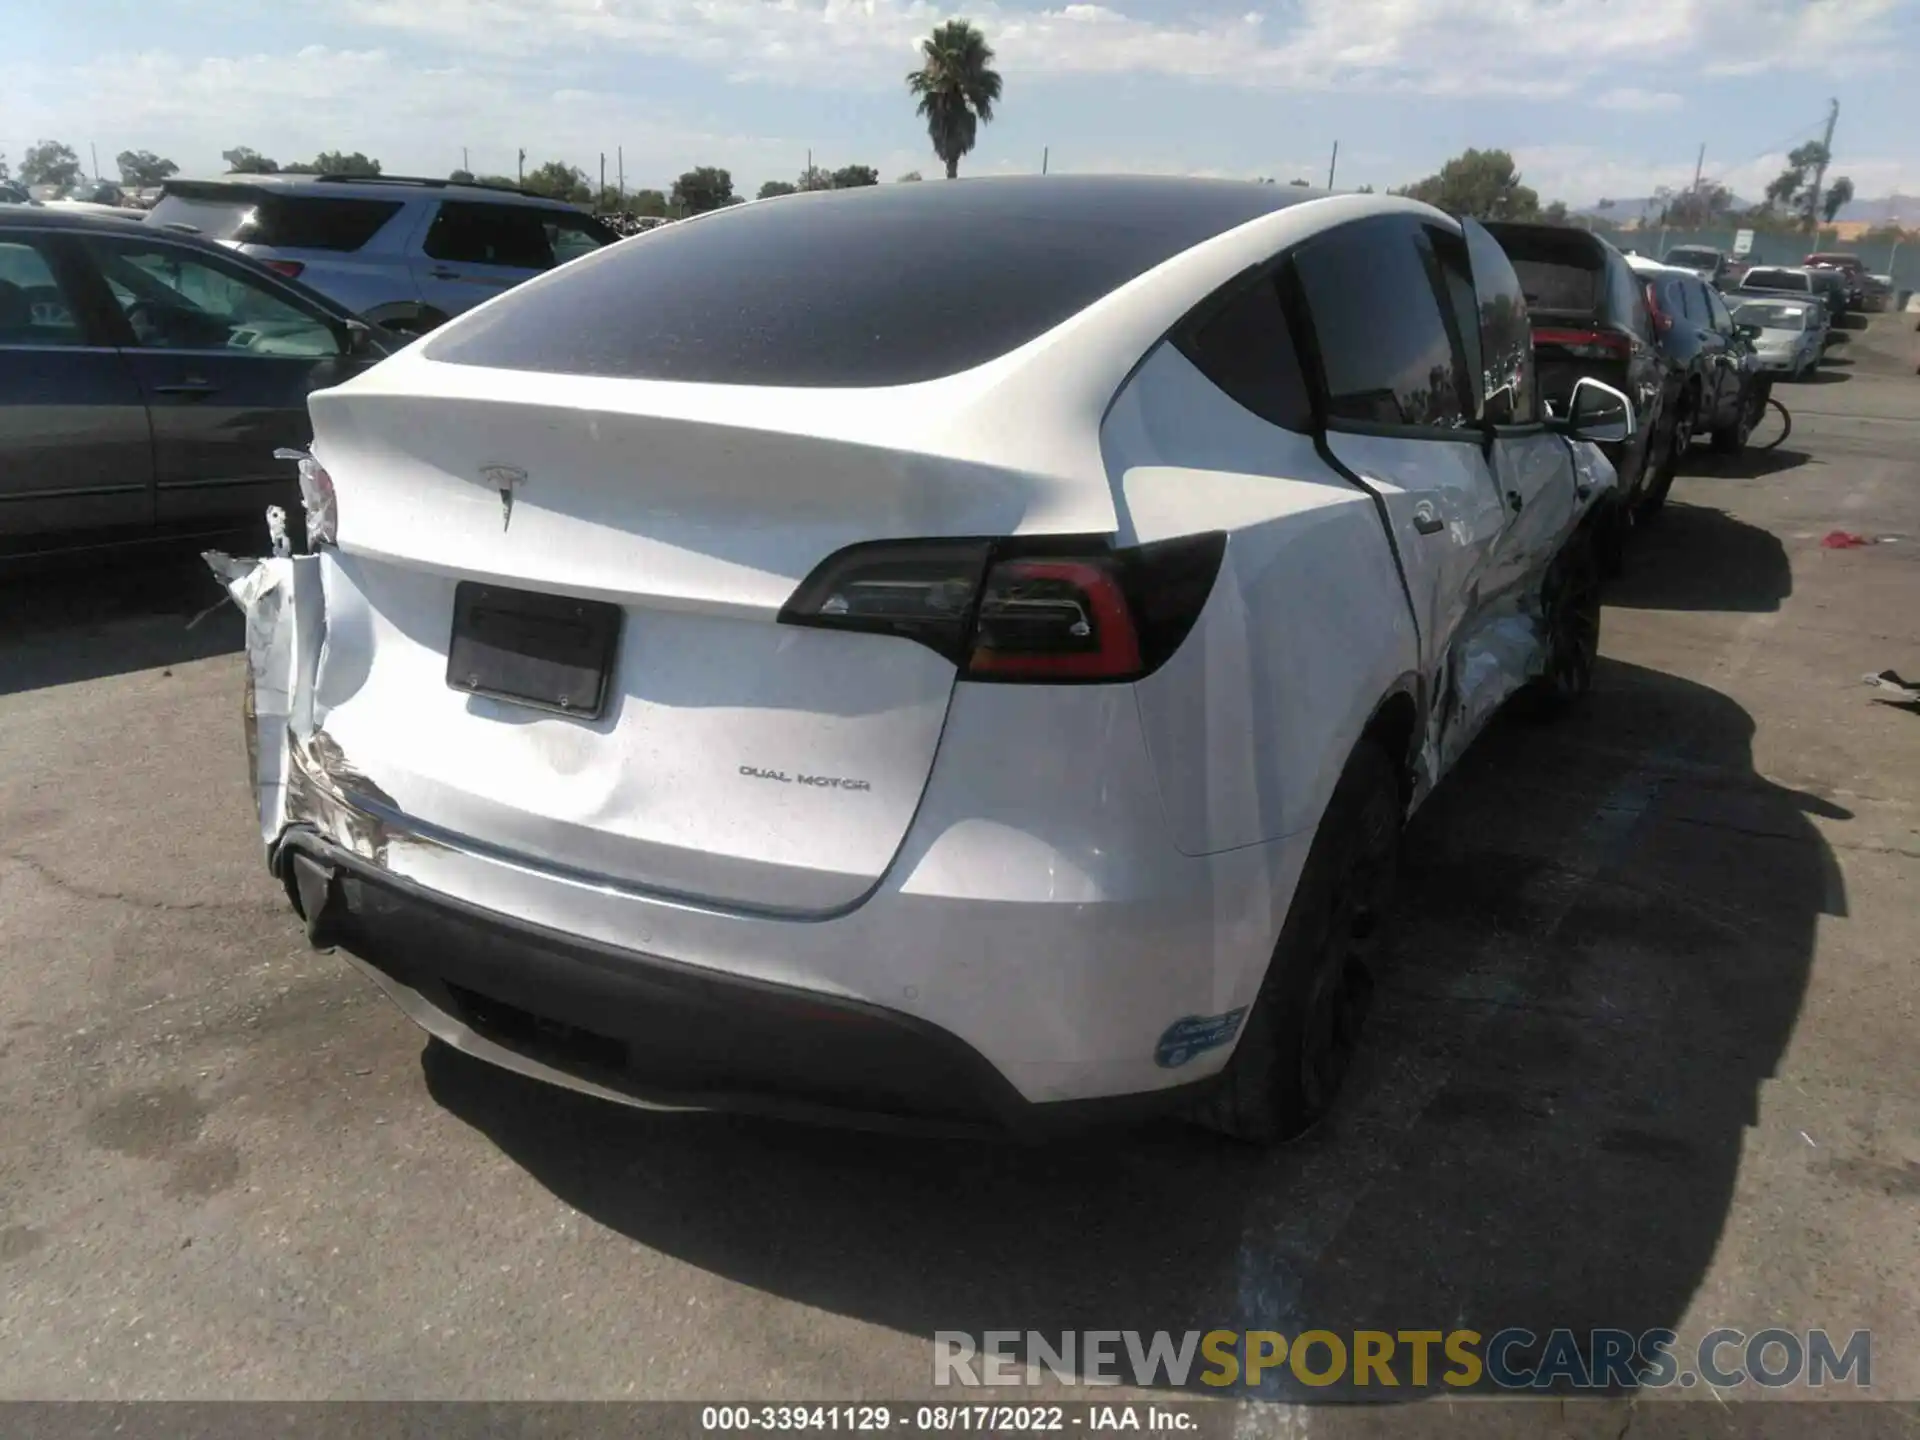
pixel 506 479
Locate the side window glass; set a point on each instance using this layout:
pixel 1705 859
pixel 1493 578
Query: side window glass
pixel 174 299
pixel 1246 349
pixel 510 235
pixel 1506 332
pixel 35 309
pixel 1454 278
pixel 1717 310
pixel 1384 352
pixel 569 237
pixel 1695 301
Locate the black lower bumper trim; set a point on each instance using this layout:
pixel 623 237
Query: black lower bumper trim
pixel 661 1032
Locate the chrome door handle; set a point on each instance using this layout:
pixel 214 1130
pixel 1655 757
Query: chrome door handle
pixel 441 272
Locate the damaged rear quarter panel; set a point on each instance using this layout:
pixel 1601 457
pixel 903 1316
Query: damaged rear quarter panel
pixel 298 772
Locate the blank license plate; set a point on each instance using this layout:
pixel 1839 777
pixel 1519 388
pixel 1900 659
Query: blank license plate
pixel 547 651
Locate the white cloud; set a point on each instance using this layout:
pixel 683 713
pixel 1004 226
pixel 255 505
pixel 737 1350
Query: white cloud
pixel 1536 48
pixel 1632 97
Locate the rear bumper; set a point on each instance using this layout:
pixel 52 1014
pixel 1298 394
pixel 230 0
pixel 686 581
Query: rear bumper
pixel 642 1030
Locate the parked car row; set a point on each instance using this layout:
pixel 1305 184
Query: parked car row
pixel 147 377
pixel 402 253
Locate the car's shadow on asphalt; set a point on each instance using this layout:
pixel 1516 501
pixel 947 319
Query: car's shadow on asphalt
pixel 82 619
pixel 1604 936
pixel 1696 557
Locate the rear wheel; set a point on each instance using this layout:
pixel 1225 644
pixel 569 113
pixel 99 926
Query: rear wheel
pixel 1679 440
pixel 1570 614
pixel 1732 439
pixel 1304 1029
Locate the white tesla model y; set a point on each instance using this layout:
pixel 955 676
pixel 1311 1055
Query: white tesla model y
pixel 947 655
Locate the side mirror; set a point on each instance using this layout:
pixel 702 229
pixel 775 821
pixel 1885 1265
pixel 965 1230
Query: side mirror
pixel 1598 412
pixel 1749 332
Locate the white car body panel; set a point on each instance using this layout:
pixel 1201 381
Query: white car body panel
pixel 1055 874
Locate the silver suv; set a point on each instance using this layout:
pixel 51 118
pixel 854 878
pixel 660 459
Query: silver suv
pixel 403 253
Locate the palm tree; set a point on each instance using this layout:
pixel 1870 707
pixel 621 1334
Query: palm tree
pixel 956 87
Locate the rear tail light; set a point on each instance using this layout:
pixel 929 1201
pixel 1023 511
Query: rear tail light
pixel 1662 322
pixel 316 497
pixel 289 268
pixel 1587 344
pixel 1055 611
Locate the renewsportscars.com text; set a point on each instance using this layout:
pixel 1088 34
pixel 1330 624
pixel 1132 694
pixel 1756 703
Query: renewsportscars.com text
pixel 1511 1359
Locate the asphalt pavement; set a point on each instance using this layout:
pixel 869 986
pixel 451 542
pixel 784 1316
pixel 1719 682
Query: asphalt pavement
pixel 1643 1052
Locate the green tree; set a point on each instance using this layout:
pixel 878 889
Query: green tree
pixel 559 180
pixel 1836 198
pixel 1700 209
pixel 1556 213
pixel 776 187
pixel 814 177
pixel 647 202
pixel 1480 183
pixel 461 177
pixel 50 163
pixel 908 178
pixel 143 167
pixel 244 160
pixel 957 86
pixel 334 162
pixel 609 201
pixel 498 182
pixel 852 177
pixel 703 188
pixel 5 173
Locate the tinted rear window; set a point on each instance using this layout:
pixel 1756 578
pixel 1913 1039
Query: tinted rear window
pixel 1549 285
pixel 1777 280
pixel 1691 257
pixel 885 285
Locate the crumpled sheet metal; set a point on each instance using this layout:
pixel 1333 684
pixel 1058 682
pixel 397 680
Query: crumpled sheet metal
pixel 1500 658
pixel 298 771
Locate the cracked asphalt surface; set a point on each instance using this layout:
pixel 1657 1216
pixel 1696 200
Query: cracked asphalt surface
pixel 1643 1052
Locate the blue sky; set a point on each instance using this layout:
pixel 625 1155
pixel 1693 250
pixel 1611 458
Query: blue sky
pixel 1594 97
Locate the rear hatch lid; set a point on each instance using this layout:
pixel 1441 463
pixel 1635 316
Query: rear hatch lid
pixel 1565 277
pixel 689 743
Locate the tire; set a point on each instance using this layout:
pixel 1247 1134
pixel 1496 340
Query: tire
pixel 1678 444
pixel 1570 608
pixel 417 324
pixel 1732 439
pixel 1304 1028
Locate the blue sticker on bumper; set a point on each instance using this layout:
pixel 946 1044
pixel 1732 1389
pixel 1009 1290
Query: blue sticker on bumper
pixel 1194 1034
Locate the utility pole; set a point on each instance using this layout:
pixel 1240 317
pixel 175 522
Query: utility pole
pixel 1045 152
pixel 522 162
pixel 1820 170
pixel 95 149
pixel 1333 164
pixel 465 164
pixel 620 158
pixel 1698 165
pixel 603 180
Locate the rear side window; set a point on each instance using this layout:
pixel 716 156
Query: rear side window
pixel 1627 298
pixel 1559 285
pixel 1384 352
pixel 1778 280
pixel 35 309
pixel 216 215
pixel 301 223
pixel 510 235
pixel 1244 347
